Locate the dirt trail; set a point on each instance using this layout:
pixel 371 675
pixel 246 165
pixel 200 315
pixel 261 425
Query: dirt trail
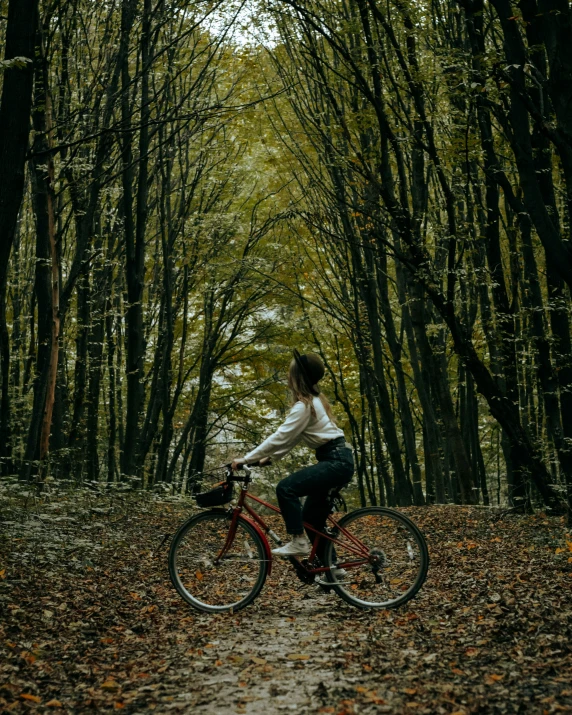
pixel 90 623
pixel 289 661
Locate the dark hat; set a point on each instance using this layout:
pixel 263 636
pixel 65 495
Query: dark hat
pixel 311 367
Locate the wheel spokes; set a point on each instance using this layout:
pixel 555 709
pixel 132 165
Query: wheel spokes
pixel 216 572
pixel 394 559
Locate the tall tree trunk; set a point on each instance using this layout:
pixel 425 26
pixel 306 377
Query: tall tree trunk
pixel 110 338
pixel 101 284
pixel 75 461
pixel 134 243
pixel 560 323
pixel 408 428
pixel 168 406
pixel 47 275
pixel 200 425
pixel 15 110
pixel 557 251
pixel 440 388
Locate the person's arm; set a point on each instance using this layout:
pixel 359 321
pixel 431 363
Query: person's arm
pixel 285 438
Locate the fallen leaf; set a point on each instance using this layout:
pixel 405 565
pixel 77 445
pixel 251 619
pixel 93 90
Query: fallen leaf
pixel 28 657
pixel 54 704
pixel 297 656
pixel 31 698
pixel 110 684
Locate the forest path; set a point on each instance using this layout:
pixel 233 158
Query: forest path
pixel 90 622
pixel 293 660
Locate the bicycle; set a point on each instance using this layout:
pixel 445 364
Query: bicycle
pixel 219 559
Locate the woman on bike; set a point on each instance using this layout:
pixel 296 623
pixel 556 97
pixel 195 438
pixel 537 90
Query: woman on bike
pixel 310 421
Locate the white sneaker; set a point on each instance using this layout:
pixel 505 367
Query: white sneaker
pixel 299 546
pixel 338 574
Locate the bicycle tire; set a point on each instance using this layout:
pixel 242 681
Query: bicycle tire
pixel 423 567
pixel 200 521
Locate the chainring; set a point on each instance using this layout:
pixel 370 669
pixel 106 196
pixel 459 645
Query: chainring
pixel 300 568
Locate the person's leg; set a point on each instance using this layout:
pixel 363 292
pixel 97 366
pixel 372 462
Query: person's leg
pixel 313 482
pixel 316 480
pixel 315 512
pixel 339 471
pixel 289 491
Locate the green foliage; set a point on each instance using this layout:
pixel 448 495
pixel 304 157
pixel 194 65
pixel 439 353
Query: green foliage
pixel 15 63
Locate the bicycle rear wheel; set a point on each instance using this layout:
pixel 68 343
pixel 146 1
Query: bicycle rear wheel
pixel 204 579
pixel 397 559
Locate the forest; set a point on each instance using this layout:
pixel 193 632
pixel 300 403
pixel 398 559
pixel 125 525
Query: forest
pixel 190 190
pixel 196 195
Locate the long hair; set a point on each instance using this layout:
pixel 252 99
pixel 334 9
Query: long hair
pixel 302 392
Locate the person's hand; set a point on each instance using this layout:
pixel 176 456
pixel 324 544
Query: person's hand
pixel 236 464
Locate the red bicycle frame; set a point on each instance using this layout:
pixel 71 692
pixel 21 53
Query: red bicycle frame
pixel 350 543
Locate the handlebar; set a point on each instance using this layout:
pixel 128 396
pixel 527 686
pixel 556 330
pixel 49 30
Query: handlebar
pixel 256 464
pixel 246 467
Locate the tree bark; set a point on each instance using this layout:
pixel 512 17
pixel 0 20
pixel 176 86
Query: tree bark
pixel 15 110
pixel 47 276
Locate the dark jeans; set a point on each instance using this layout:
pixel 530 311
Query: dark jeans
pixel 334 469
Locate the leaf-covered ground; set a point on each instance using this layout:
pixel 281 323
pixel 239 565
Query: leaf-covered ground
pixel 89 622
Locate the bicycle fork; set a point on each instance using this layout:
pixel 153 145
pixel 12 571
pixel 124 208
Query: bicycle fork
pixel 237 511
pixel 230 536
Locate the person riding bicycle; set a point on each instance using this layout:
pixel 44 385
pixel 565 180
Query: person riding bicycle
pixel 311 421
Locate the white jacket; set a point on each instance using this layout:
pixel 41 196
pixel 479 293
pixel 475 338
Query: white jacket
pixel 299 426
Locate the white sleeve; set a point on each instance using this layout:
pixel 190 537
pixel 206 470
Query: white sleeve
pixel 286 436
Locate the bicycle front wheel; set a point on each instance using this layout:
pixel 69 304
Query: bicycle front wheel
pixel 395 560
pixel 208 580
